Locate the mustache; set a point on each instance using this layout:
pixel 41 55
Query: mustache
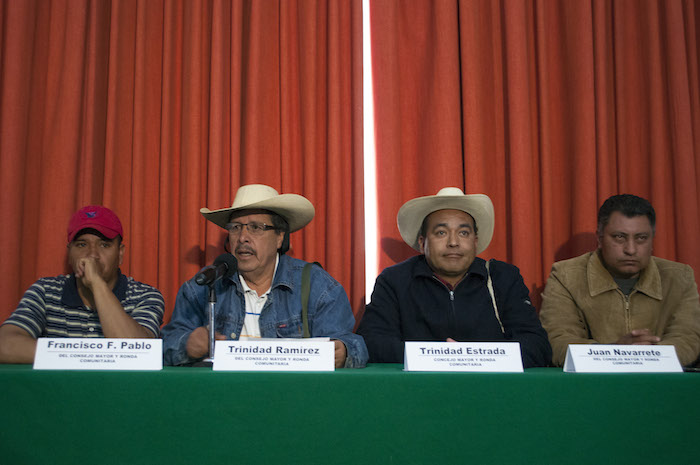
pixel 244 248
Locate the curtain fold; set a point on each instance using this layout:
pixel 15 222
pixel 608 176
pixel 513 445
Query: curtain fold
pixel 557 106
pixel 158 108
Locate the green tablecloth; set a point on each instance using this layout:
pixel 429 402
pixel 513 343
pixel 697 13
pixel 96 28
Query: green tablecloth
pixel 379 414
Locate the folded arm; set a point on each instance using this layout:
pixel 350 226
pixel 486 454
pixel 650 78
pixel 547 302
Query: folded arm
pixel 521 323
pixel 16 345
pixel 381 325
pixel 333 318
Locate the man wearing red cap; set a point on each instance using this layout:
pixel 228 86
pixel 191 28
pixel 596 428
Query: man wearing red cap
pixel 95 301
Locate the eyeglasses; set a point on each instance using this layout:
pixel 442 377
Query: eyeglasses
pixel 254 228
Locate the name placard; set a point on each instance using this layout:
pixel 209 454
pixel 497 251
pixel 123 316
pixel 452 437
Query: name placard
pixel 274 355
pixel 98 354
pixel 463 356
pixel 613 358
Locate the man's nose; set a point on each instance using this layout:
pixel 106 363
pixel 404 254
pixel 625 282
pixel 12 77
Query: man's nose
pixel 92 251
pixel 453 239
pixel 630 247
pixel 244 235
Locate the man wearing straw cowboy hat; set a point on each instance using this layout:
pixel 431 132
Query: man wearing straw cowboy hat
pixel 263 299
pixel 447 293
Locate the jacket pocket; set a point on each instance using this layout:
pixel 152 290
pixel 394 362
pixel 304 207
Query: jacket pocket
pixel 290 328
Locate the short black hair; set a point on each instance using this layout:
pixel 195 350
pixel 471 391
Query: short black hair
pixel 424 224
pixel 630 206
pixel 95 232
pixel 281 225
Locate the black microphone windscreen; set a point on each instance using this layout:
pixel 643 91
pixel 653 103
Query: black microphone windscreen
pixel 230 261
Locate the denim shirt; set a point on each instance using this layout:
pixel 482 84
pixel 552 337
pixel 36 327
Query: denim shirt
pixel 329 312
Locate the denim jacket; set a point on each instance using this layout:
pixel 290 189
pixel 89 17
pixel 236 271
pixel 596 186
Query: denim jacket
pixel 329 312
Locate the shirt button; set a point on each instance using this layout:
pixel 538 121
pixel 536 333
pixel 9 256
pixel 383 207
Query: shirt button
pixel 233 335
pixel 92 329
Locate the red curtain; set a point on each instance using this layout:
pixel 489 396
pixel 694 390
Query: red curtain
pixel 158 108
pixel 547 107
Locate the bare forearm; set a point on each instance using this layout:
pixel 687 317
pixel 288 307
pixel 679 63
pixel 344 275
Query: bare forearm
pixel 114 320
pixel 16 345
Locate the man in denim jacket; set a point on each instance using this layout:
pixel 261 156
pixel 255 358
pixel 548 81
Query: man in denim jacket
pixel 263 299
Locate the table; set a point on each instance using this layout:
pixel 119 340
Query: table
pixel 378 414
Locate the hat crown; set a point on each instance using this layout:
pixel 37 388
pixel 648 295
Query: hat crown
pixel 253 193
pixel 450 191
pixel 95 217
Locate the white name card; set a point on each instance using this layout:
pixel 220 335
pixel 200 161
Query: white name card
pixel 613 358
pixel 98 354
pixel 463 356
pixel 274 355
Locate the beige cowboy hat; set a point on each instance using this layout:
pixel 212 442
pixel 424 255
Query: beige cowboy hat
pixel 479 206
pixel 297 210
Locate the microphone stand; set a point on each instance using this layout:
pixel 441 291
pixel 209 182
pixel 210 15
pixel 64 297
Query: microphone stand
pixel 209 361
pixel 224 267
pixel 212 332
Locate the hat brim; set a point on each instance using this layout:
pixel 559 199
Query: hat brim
pixel 295 209
pixel 479 206
pixel 107 232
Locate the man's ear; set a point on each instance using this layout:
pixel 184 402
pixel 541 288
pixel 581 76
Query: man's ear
pixel 280 239
pixel 421 243
pixel 122 248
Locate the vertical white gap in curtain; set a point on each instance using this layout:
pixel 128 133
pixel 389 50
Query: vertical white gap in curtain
pixel 371 257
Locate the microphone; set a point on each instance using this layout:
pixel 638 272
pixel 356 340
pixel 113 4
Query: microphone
pixel 224 266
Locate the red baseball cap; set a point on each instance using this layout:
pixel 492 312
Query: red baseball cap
pixel 95 217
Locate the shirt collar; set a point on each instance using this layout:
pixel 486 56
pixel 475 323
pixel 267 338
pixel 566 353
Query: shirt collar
pixel 600 280
pixel 246 288
pixel 478 267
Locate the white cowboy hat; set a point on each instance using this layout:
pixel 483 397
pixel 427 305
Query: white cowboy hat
pixel 297 210
pixel 479 206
